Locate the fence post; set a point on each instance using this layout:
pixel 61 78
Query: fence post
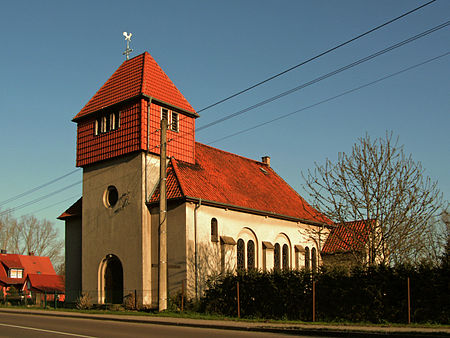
pixel 314 300
pixel 54 299
pixel 238 303
pixel 409 303
pixel 45 299
pixel 182 295
pixel 135 299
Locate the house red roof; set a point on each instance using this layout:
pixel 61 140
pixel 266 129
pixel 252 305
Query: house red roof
pixel 29 264
pixel 225 178
pixel 73 211
pixel 45 283
pixel 140 75
pixel 347 237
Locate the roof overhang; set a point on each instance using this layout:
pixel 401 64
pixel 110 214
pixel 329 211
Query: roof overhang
pixel 246 210
pixel 134 98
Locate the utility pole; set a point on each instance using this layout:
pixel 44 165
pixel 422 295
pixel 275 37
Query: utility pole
pixel 162 266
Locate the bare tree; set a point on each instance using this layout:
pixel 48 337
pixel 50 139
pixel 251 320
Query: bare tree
pixel 381 185
pixel 30 234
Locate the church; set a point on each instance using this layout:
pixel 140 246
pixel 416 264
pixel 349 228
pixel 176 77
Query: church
pixel 224 211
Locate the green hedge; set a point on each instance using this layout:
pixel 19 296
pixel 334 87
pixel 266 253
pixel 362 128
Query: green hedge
pixel 377 294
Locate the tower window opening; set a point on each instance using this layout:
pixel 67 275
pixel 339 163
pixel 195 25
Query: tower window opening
pixel 106 123
pixel 174 121
pixel 165 114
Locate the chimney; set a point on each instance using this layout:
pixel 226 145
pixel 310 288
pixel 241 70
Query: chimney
pixel 266 160
pixel 31 253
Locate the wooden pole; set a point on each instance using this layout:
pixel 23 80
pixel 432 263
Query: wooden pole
pixel 409 303
pixel 162 267
pixel 314 301
pixel 238 302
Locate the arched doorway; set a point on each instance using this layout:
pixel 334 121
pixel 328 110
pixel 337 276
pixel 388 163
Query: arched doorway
pixel 113 280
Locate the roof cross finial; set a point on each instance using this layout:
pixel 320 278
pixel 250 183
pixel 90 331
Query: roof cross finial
pixel 128 50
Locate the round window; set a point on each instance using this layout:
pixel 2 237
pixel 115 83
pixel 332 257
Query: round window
pixel 111 196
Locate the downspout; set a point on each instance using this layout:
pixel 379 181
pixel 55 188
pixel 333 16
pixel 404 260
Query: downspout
pixel 148 148
pixel 197 206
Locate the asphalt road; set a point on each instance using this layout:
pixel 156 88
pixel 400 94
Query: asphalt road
pixel 22 325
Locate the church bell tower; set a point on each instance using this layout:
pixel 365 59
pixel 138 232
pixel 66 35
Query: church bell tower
pixel 118 143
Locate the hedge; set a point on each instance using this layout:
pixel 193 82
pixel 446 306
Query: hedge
pixel 376 294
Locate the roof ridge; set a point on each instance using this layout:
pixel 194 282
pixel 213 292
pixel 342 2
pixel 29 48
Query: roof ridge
pixel 233 154
pixel 143 72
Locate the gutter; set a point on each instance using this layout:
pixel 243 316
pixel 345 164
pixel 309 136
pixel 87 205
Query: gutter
pixel 255 211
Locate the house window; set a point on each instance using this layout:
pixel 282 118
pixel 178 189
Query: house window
pixel 15 273
pixel 313 260
pixel 240 254
pixel 250 254
pixel 214 231
pixel 276 257
pixel 174 121
pixel 307 258
pixel 285 257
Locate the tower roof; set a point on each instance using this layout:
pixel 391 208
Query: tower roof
pixel 139 76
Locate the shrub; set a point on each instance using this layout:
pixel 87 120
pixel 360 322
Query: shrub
pixel 84 302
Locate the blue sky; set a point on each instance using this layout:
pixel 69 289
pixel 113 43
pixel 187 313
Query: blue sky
pixel 56 54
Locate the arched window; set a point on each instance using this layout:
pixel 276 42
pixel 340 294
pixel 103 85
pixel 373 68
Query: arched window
pixel 285 257
pixel 250 254
pixel 214 231
pixel 307 267
pixel 240 254
pixel 276 257
pixel 314 260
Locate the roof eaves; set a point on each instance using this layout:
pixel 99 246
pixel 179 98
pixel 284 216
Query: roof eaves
pixel 111 106
pixel 173 107
pixel 254 211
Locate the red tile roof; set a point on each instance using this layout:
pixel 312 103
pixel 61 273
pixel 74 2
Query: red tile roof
pixel 232 180
pixel 347 237
pixel 29 264
pixel 46 283
pixel 140 75
pixel 73 211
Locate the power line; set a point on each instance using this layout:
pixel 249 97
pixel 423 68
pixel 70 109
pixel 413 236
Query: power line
pixel 323 77
pixel 252 87
pixel 39 198
pixel 52 205
pixel 330 99
pixel 351 65
pixel 37 188
pixel 283 116
pixel 315 57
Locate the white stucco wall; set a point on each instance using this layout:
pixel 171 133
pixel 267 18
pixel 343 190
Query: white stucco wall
pixel 246 226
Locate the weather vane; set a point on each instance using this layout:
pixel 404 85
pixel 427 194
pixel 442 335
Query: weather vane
pixel 128 40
